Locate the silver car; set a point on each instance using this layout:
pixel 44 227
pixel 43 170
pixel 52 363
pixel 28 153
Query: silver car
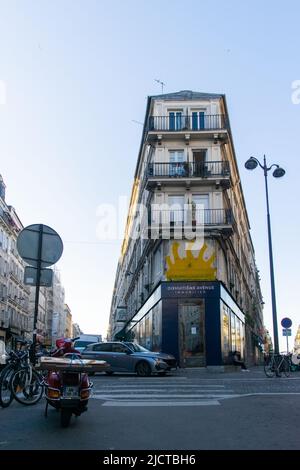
pixel 130 357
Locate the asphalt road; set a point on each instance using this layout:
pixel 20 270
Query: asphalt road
pixel 186 410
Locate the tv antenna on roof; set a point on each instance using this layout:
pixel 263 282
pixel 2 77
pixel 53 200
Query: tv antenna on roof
pixel 161 83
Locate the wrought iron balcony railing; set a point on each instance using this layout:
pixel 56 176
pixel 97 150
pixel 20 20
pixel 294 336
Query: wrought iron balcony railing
pixel 189 170
pixel 190 217
pixel 194 122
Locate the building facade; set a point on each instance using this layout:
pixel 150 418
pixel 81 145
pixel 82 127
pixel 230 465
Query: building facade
pixel 68 318
pixel 297 342
pixel 14 295
pixel 187 281
pixel 55 315
pixel 42 313
pixel 76 330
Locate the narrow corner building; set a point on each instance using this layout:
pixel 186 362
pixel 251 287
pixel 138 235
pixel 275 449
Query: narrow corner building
pixel 188 283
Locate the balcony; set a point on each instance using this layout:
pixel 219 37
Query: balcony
pixel 199 124
pixel 192 173
pixel 163 223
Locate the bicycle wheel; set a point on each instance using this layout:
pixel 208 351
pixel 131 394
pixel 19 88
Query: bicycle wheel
pixel 6 396
pixel 286 368
pixel 27 386
pixel 269 368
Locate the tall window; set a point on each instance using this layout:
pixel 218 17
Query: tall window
pixel 200 205
pixel 176 209
pixel 157 264
pixel 233 332
pixel 148 330
pixel 198 120
pixel 199 160
pixel 156 327
pixel 225 330
pixel 175 120
pixel 178 165
pixel 238 325
pixel 142 335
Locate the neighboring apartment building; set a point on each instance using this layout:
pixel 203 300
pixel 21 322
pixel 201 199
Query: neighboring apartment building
pixel 42 313
pixel 200 298
pixel 14 295
pixel 55 300
pixel 76 330
pixel 68 317
pixel 297 342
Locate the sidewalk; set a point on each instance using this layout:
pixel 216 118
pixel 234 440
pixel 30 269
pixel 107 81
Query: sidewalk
pixel 255 372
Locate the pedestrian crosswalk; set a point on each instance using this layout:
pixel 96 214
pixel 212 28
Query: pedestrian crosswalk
pixel 159 391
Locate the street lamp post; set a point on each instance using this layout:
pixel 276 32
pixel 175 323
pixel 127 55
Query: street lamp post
pixel 251 164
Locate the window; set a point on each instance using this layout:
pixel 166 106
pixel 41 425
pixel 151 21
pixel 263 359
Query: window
pixel 198 120
pixel 191 331
pixel 142 338
pixel 156 327
pixel 175 120
pixel 157 264
pixel 200 169
pixel 200 205
pixel 119 348
pixel 225 330
pixel 178 165
pixel 104 347
pixel 233 332
pixel 148 330
pixel 238 325
pixel 176 205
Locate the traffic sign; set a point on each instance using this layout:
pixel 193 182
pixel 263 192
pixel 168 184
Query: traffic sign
pixel 30 277
pixel 286 332
pixel 39 237
pixel 39 246
pixel 286 322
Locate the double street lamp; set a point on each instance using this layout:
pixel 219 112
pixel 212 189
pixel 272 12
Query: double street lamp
pixel 251 164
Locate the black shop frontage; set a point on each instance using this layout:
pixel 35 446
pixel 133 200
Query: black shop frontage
pixel 198 322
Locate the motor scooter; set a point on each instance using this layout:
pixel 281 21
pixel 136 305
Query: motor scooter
pixel 67 390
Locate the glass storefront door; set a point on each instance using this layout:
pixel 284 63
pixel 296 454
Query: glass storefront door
pixel 191 332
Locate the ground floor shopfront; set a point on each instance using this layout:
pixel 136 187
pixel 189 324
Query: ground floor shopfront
pixel 198 322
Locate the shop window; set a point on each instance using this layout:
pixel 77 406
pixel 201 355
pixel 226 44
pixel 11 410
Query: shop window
pixel 242 334
pixel 238 325
pixel 142 336
pixel 225 331
pixel 157 264
pixel 156 327
pixel 233 332
pixel 148 331
pixel 191 332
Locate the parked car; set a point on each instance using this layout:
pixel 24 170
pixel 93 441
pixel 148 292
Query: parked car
pixel 84 340
pixel 130 357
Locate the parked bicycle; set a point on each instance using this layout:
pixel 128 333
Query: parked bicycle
pixel 276 364
pixel 20 380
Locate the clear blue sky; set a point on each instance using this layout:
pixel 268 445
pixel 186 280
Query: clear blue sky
pixel 78 72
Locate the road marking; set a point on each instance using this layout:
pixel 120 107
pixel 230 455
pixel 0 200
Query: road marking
pixel 148 379
pixel 267 394
pixel 146 395
pixel 161 403
pixel 159 385
pixel 127 391
pixel 163 392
